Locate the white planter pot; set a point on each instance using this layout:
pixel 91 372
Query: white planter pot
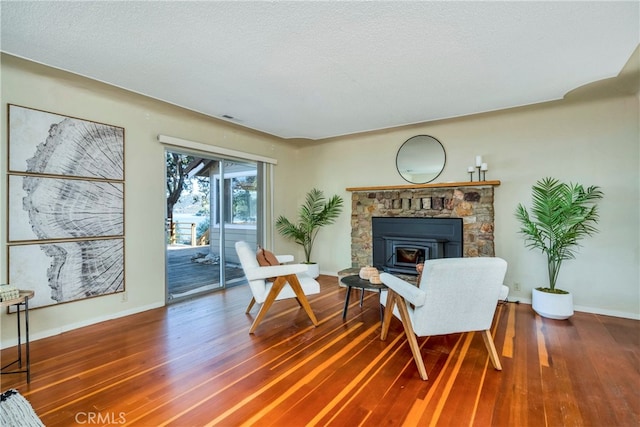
pixel 552 306
pixel 314 270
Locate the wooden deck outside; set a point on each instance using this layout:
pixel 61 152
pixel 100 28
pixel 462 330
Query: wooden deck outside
pixel 185 275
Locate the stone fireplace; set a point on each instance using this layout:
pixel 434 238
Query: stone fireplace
pixel 472 204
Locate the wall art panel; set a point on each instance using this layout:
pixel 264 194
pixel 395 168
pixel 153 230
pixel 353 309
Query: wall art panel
pixel 46 208
pixel 68 271
pixel 51 144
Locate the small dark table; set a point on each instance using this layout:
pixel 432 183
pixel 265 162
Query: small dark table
pixel 22 300
pixel 355 281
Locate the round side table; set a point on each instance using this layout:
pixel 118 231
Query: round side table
pixel 354 281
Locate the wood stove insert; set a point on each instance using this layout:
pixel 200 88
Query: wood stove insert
pixel 399 243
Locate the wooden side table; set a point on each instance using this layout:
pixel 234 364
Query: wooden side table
pixel 22 300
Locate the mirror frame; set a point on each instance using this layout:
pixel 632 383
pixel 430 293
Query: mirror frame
pixel 409 147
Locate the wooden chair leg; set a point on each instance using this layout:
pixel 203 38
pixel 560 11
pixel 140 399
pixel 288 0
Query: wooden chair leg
pixel 302 298
pixel 271 297
pixel 251 303
pixel 491 348
pixel 388 314
pixel 411 336
pixel 273 293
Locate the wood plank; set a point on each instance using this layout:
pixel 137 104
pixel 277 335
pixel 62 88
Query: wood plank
pixel 193 363
pixel 428 185
pixel 185 275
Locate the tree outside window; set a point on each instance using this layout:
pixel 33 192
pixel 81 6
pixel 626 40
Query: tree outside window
pixel 241 200
pixel 244 200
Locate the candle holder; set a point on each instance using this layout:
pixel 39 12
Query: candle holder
pixel 479 179
pixel 483 168
pixel 471 171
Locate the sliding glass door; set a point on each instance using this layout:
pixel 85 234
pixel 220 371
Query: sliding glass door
pixel 235 214
pixel 211 203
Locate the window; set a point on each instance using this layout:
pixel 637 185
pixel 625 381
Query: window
pixel 241 198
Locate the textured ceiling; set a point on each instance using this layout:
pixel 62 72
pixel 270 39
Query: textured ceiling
pixel 322 69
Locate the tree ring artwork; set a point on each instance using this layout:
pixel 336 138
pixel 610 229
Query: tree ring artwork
pixel 66 206
pixel 68 271
pixel 51 144
pixel 46 208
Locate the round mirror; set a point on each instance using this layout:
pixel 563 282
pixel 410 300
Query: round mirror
pixel 420 159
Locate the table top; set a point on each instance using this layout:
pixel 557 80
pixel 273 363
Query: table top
pixel 24 294
pixel 356 282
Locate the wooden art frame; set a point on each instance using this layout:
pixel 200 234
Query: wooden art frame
pixel 65 198
pixel 61 272
pixel 40 208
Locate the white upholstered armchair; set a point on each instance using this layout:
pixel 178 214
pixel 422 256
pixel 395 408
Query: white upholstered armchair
pixel 454 295
pixel 287 281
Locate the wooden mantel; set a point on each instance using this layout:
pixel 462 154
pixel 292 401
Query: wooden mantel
pixel 429 185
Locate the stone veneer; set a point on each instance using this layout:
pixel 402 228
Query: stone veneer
pixel 473 204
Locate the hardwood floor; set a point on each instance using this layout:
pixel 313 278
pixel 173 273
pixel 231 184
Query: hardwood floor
pixel 194 364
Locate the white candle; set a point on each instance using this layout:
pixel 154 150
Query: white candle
pixel 478 161
pixel 470 169
pixel 484 167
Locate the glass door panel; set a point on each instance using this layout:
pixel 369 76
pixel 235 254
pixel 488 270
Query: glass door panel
pixel 236 191
pixel 200 255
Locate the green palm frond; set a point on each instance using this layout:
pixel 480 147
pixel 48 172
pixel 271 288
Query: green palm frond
pixel 316 212
pixel 561 216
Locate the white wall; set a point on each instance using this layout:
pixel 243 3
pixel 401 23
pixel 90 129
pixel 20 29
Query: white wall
pixel 593 143
pixel 31 85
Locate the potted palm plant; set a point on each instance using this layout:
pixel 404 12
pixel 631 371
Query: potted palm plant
pixel 316 212
pixel 562 214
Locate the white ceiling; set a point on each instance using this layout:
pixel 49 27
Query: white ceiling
pixel 320 69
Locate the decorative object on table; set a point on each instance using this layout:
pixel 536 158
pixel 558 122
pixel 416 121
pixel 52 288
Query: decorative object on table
pixel 478 165
pixel 420 159
pixel 482 168
pixel 314 214
pixel 375 278
pixel 367 271
pixel 562 214
pixel 66 206
pixel 15 410
pixel 8 292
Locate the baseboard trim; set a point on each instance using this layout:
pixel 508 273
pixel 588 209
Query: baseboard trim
pixel 87 322
pixel 584 309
